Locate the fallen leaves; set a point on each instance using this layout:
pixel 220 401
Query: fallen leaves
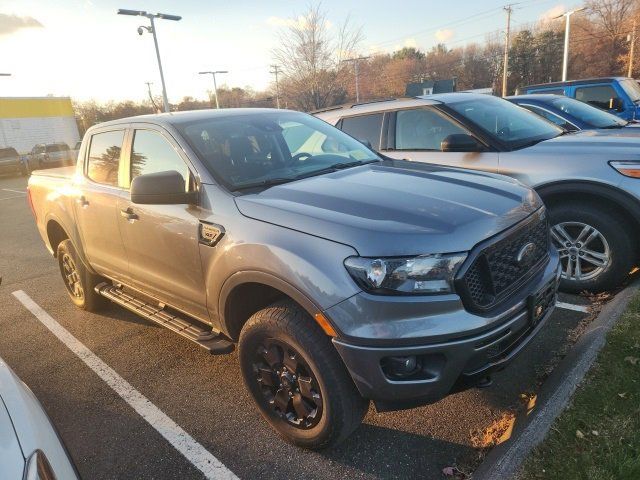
pixel 579 434
pixel 499 431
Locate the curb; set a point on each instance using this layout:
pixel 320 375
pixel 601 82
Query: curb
pixel 505 460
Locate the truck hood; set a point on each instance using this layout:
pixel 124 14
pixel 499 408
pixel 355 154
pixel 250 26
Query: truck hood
pixel 621 140
pixel 396 207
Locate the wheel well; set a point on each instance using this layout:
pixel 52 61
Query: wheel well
pixel 245 300
pixel 55 234
pixel 556 198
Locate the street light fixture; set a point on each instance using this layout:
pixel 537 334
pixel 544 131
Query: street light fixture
pixel 5 74
pixel 152 30
pixel 215 86
pixel 567 28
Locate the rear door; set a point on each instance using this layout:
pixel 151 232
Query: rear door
pixel 96 204
pixel 162 241
pixel 416 134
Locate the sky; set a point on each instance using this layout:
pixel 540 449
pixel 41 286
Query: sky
pixel 83 49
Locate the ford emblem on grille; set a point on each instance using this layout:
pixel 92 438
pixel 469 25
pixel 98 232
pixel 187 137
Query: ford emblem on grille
pixel 526 253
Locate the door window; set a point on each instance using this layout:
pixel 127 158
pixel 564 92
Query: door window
pixel 104 157
pixel 599 96
pixel 364 128
pixel 152 153
pixel 423 129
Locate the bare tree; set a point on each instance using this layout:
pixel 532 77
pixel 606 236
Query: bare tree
pixel 310 53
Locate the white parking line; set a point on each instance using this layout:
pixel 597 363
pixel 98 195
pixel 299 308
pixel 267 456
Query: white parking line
pixel 14 191
pixel 199 456
pixel 571 306
pixel 12 196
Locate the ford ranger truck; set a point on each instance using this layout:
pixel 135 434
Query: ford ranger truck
pixel 342 277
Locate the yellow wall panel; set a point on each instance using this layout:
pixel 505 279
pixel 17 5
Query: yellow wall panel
pixel 35 107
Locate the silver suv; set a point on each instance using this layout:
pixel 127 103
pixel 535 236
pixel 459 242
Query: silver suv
pixel 589 180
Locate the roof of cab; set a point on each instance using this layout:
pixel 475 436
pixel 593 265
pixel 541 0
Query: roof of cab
pixel 174 118
pixel 582 81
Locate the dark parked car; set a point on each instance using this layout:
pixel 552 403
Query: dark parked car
pixel 51 155
pixel 10 162
pixel 573 115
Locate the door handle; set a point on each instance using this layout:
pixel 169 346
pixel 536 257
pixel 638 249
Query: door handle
pixel 129 214
pixel 82 201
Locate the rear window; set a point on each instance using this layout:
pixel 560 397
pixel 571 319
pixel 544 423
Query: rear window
pixel 599 96
pixel 8 153
pixel 57 147
pixel 104 157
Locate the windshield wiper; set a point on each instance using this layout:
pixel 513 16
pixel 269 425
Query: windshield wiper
pixel 269 182
pixel 337 166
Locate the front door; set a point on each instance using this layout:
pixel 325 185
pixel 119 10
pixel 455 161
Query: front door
pixel 419 133
pixel 97 202
pixel 162 240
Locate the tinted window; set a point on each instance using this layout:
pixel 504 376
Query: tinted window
pixel 57 147
pixel 587 113
pixel 423 129
pixel 548 115
pixel 152 153
pixel 257 149
pixel 599 96
pixel 104 157
pixel 364 128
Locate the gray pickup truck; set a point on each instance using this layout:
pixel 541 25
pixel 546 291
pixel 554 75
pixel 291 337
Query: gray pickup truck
pixel 342 276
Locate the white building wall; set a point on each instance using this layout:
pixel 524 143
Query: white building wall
pixel 23 133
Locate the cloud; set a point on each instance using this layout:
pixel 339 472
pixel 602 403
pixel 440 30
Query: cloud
pixel 408 43
pixel 12 23
pixel 553 12
pixel 444 34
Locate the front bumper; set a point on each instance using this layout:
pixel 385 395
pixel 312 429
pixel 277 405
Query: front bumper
pixel 461 349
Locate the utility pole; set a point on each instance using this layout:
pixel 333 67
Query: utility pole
pixel 567 31
pixel 632 49
pixel 505 67
pixel 215 85
pixel 153 102
pixel 152 30
pixel 276 70
pixel 355 62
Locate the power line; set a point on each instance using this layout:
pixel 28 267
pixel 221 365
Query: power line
pixel 276 70
pixel 355 62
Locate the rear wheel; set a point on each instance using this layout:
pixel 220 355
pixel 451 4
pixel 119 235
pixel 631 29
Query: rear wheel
pixel 297 378
pixel 596 250
pixel 79 281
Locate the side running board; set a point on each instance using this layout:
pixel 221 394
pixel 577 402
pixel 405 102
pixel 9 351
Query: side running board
pixel 214 343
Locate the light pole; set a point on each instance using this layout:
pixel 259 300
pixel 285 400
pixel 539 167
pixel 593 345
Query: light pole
pixel 152 30
pixel 567 29
pixel 5 74
pixel 355 62
pixel 507 39
pixel 215 86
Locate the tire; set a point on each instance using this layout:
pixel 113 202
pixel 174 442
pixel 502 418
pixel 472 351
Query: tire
pixel 612 239
pixel 337 412
pixel 72 269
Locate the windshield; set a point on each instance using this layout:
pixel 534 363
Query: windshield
pixel 632 88
pixel 251 150
pixel 509 124
pixel 593 116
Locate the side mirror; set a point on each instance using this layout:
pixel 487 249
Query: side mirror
pixel 460 142
pixel 161 188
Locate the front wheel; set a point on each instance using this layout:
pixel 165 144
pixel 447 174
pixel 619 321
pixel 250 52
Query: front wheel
pixel 297 378
pixel 596 250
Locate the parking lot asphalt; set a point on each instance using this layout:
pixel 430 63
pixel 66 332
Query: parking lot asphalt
pixel 204 394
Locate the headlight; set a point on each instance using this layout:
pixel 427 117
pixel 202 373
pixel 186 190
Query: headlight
pixel 422 275
pixel 627 168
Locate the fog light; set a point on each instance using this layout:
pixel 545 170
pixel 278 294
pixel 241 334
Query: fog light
pixel 400 366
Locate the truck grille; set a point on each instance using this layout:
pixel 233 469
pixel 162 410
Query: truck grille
pixel 497 271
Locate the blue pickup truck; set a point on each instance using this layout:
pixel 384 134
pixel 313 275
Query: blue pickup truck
pixel 617 95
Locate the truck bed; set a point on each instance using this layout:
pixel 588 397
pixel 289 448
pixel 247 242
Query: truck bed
pixel 59 172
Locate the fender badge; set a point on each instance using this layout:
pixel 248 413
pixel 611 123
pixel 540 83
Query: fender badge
pixel 210 233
